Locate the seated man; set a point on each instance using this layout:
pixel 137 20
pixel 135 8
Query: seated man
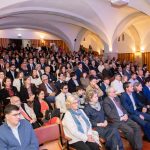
pixel 135 109
pixel 119 118
pixel 49 90
pixel 93 86
pixel 80 96
pixel 26 112
pixel 15 133
pixel 61 98
pixel 146 89
pixel 117 84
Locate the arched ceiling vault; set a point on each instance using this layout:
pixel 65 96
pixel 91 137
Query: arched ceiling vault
pixel 52 16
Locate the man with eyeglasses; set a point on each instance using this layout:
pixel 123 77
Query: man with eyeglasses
pixel 61 98
pixel 15 133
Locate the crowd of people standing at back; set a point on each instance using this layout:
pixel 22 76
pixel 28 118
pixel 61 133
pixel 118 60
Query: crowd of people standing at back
pixel 95 96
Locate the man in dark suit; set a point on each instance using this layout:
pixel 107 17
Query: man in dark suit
pixel 79 71
pixel 135 109
pixel 12 74
pixel 85 64
pixel 127 71
pixel 119 118
pixel 146 89
pixel 31 65
pixel 49 90
pixel 50 75
pixel 104 85
pixel 140 77
pixel 73 82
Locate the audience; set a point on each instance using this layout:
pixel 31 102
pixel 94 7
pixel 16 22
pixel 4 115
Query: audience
pixel 44 79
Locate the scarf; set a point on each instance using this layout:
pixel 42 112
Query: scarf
pixel 77 113
pixel 96 106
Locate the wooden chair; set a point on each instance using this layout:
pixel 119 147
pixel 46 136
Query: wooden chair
pixel 48 137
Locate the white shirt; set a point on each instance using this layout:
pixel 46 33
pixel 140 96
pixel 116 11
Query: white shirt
pixel 133 81
pixel 100 68
pixel 118 86
pixel 15 132
pixel 76 83
pixel 132 100
pixel 61 102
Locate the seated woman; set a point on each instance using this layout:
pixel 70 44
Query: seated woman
pixel 27 91
pixel 78 128
pixel 94 110
pixel 140 96
pixel 7 92
pixel 40 107
pixel 18 82
pixel 35 79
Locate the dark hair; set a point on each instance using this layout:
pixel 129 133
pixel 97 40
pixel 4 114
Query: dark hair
pixel 126 85
pixel 39 91
pixel 63 84
pixel 92 77
pixel 79 88
pixel 9 108
pixel 72 74
pixel 4 81
pixel 147 80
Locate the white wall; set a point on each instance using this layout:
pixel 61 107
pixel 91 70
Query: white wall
pixel 26 34
pixel 125 46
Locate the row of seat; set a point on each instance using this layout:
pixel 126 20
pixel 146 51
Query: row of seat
pixel 52 137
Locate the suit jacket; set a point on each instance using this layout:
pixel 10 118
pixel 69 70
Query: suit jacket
pixel 43 87
pixel 111 110
pixel 127 104
pixel 26 134
pixel 85 68
pixel 72 86
pixel 9 75
pixel 103 88
pixel 142 81
pixel 94 115
pixel 78 73
pixel 128 74
pixel 146 93
pixel 29 67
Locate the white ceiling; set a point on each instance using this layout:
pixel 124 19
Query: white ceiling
pixel 67 18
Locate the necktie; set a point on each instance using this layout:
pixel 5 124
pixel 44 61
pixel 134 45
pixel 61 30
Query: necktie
pixel 21 83
pixel 23 113
pixel 49 87
pixel 65 97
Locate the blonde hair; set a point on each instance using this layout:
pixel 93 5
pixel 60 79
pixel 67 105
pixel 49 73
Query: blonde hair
pixel 70 99
pixel 90 94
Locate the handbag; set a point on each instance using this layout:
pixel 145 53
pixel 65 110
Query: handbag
pixel 49 114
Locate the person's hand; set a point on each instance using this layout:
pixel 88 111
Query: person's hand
pixel 105 123
pixel 96 86
pixel 125 117
pixel 52 94
pixel 142 117
pixel 144 109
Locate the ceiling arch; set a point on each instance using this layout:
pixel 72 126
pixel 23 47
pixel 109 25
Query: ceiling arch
pixel 124 24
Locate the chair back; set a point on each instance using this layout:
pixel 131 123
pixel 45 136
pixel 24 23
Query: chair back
pixel 47 133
